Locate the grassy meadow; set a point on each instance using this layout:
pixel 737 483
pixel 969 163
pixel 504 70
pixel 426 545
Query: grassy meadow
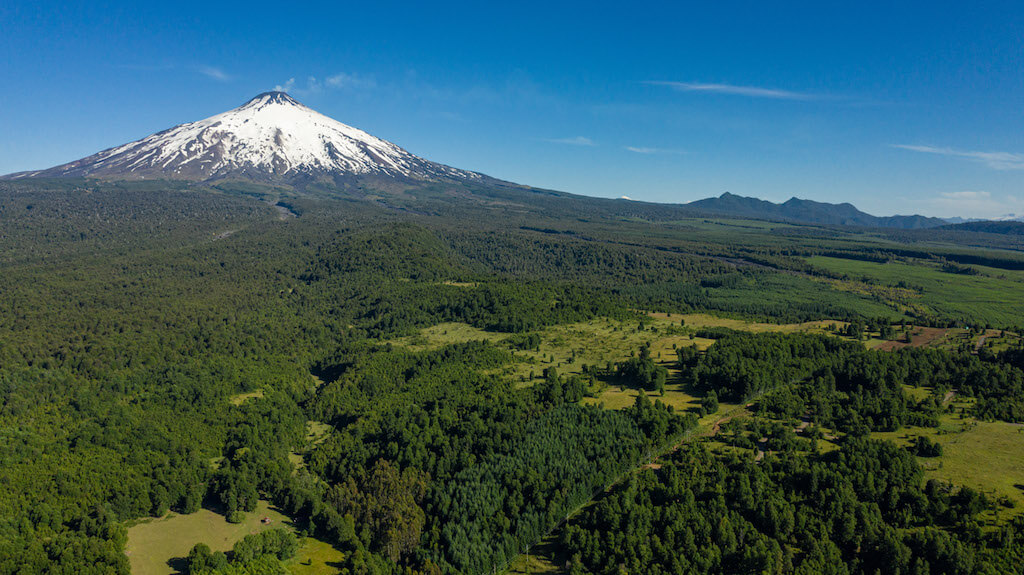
pixel 992 296
pixel 156 546
pixel 600 341
pixel 984 455
pixel 315 558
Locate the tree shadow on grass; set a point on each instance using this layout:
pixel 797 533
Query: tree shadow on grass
pixel 178 564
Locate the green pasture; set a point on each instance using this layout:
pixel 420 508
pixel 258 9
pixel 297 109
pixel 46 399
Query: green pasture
pixel 994 299
pixel 984 455
pixel 154 544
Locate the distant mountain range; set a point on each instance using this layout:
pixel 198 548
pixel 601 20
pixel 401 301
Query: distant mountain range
pixel 273 139
pixel 809 211
pixel 1002 218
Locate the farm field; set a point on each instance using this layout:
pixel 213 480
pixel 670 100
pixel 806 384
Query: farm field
pixel 994 299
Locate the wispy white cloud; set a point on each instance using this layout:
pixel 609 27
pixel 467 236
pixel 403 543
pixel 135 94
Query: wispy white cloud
pixel 340 81
pixel 994 160
pixel 350 81
pixel 652 151
pixel 574 141
pixel 968 195
pixel 734 90
pixel 977 204
pixel 214 72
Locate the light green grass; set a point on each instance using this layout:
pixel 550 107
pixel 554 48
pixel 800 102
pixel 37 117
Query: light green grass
pixel 616 398
pixel 316 433
pixel 241 398
pixel 998 300
pixel 703 320
pixel 543 559
pixel 987 456
pixel 154 542
pixel 598 342
pixel 315 558
pixel 917 393
pixel 446 334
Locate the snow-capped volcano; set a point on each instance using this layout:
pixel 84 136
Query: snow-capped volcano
pixel 269 138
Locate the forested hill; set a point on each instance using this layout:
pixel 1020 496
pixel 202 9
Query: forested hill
pixel 171 347
pixel 1009 228
pixel 808 211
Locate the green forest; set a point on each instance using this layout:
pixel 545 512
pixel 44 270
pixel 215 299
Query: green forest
pixel 168 348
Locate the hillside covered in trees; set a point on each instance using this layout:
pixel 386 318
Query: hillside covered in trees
pixel 169 347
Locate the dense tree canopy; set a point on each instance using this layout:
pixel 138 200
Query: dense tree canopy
pixel 164 347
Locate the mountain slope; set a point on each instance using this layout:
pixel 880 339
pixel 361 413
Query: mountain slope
pixel 271 138
pixel 808 211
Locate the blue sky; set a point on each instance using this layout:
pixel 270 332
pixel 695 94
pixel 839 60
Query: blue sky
pixel 898 107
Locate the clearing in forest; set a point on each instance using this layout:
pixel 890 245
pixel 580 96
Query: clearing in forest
pixel 984 455
pixel 154 545
pixel 599 341
pixel 241 398
pixel 159 546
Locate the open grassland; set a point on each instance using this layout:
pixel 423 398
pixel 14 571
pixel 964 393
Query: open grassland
pixel 446 334
pixel 702 320
pixel 618 398
pixel 994 299
pixel 315 558
pixel 241 398
pixel 154 544
pixel 158 546
pixel 600 341
pixel 987 456
pixel 568 348
pixel 923 337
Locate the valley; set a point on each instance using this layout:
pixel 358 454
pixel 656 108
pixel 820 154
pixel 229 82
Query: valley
pixel 409 368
